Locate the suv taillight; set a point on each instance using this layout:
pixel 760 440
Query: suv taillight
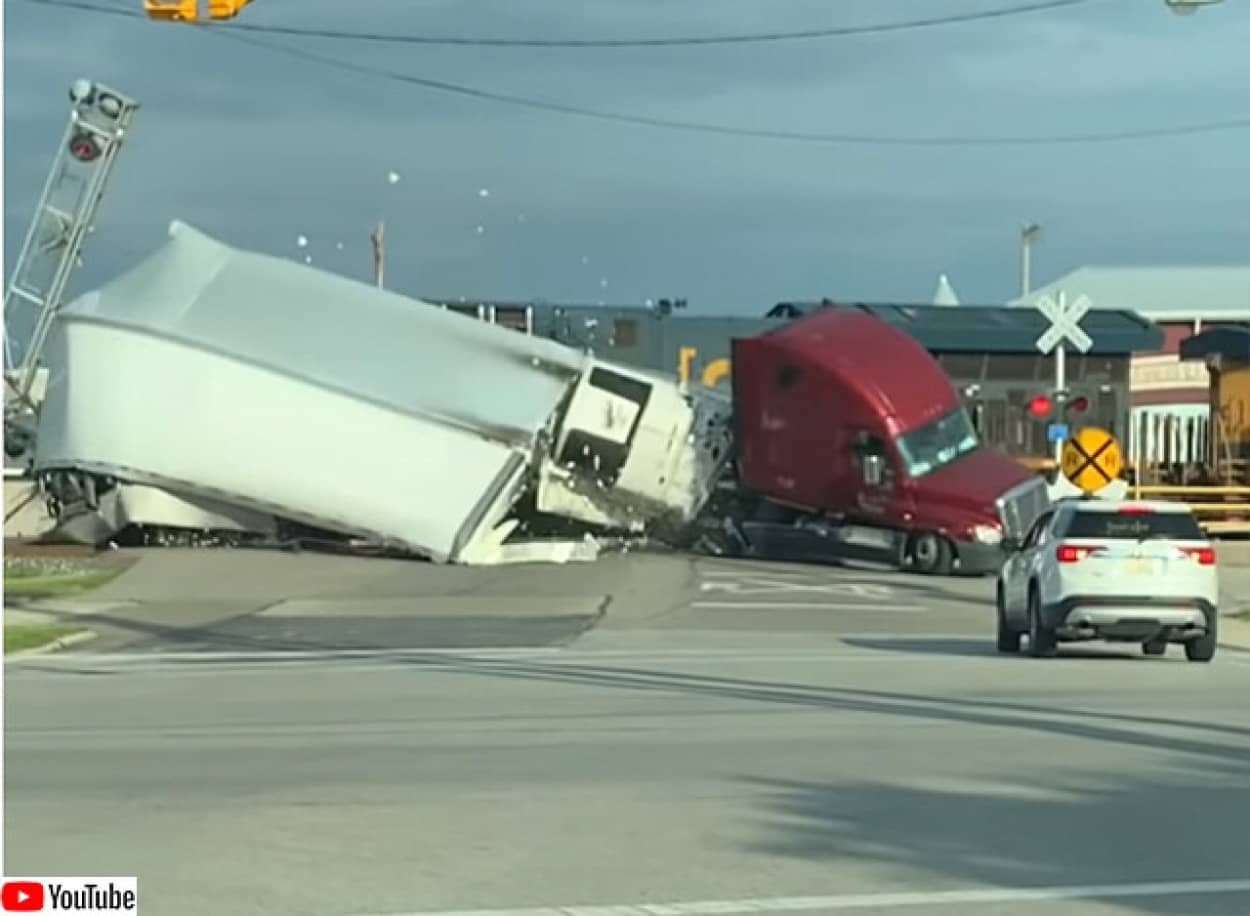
pixel 1204 555
pixel 1071 553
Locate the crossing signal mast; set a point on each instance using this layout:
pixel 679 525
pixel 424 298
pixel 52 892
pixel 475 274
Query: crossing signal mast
pixel 99 123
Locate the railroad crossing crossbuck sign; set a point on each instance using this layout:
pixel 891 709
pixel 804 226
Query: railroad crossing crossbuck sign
pixel 1091 459
pixel 1065 323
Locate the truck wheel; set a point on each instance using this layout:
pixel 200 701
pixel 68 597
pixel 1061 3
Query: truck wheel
pixel 1155 647
pixel 931 553
pixel 1042 642
pixel 1008 639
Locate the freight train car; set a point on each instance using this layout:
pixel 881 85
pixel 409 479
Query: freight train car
pixel 1225 442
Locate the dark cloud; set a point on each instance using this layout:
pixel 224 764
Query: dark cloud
pixel 259 148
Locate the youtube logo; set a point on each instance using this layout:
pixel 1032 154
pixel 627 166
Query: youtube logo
pixel 21 896
pixel 69 895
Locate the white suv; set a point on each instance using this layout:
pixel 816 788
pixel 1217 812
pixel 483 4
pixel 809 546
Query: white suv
pixel 1120 571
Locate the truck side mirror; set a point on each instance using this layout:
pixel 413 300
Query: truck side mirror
pixel 874 470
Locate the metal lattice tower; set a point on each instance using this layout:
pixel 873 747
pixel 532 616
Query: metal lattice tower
pixel 99 121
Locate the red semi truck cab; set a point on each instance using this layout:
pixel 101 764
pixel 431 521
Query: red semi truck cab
pixel 844 418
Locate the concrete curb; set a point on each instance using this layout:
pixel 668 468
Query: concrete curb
pixel 1234 633
pixel 57 645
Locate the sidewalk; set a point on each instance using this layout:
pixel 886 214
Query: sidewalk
pixel 1234 560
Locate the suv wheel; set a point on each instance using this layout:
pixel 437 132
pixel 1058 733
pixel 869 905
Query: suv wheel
pixel 1155 647
pixel 1202 649
pixel 1008 639
pixel 1042 642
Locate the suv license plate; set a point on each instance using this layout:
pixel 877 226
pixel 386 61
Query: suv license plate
pixel 1138 567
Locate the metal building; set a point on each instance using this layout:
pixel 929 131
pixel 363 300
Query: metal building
pixel 1169 393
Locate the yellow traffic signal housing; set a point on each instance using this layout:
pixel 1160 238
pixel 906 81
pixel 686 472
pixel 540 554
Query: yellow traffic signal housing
pixel 189 10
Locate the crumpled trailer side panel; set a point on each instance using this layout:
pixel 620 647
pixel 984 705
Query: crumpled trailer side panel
pixel 250 436
pixel 264 384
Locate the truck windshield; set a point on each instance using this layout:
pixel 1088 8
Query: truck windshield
pixel 937 443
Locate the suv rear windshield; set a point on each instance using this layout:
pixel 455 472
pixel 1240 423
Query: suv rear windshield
pixel 1135 526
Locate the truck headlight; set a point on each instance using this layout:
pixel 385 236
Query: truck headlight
pixel 987 534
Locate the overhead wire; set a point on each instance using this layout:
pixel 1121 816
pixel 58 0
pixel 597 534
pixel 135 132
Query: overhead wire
pixel 1019 9
pixel 727 130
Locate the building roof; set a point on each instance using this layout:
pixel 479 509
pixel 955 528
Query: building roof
pixel 1230 343
pixel 996 328
pixel 1160 293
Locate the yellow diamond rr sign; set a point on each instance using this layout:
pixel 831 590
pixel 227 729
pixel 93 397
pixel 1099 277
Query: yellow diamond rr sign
pixel 1091 458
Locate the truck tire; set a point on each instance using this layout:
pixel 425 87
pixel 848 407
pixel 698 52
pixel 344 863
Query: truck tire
pixel 931 554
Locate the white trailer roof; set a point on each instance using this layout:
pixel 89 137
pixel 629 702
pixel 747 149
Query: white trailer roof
pixel 336 333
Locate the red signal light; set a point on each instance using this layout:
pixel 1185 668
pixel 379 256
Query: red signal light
pixel 84 148
pixel 1079 405
pixel 1039 406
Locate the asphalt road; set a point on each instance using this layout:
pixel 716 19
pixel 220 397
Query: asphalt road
pixel 241 601
pixel 739 739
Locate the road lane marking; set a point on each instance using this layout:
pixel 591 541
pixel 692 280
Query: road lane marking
pixel 760 586
pixel 970 896
pixel 807 605
pixel 796 573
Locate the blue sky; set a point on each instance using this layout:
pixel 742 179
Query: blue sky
pixel 258 148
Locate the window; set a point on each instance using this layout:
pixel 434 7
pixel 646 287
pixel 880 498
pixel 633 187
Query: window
pixel 788 376
pixel 625 332
pixel 866 443
pixel 1134 526
pixel 937 443
pixel 1035 533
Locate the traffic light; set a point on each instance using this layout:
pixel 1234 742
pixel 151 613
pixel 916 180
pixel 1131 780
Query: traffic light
pixel 184 10
pixel 189 10
pixel 225 9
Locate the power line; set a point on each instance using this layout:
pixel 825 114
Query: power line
pixel 443 86
pixel 730 130
pixel 1037 6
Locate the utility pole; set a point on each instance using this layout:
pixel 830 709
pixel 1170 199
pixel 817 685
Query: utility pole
pixel 379 254
pixel 1027 235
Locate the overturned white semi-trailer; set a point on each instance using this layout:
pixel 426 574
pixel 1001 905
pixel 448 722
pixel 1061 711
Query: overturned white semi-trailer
pixel 210 387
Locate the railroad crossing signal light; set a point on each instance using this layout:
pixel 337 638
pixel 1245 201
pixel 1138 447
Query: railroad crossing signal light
pixel 84 147
pixel 1078 404
pixel 1040 406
